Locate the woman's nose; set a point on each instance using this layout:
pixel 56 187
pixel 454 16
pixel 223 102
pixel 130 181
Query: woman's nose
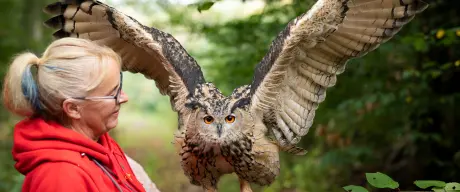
pixel 123 97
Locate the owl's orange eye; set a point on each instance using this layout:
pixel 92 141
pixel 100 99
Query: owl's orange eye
pixel 208 119
pixel 230 119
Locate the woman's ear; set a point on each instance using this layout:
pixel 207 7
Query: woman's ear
pixel 71 109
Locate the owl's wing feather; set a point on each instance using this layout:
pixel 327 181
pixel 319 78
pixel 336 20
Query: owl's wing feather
pixel 155 54
pixel 305 58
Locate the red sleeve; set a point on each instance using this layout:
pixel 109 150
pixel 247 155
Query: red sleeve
pixel 57 177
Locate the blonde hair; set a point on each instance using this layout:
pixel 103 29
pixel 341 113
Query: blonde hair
pixel 69 67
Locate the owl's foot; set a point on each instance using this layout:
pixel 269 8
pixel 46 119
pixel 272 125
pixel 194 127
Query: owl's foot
pixel 209 189
pixel 245 186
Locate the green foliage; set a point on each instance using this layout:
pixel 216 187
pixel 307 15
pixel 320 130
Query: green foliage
pixel 381 180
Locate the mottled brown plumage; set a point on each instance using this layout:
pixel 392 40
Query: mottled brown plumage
pixel 243 133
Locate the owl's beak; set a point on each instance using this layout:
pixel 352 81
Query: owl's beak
pixel 219 129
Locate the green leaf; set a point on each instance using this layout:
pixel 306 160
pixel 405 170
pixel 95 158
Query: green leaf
pixel 446 66
pixel 435 74
pixel 205 5
pixel 452 186
pixel 436 189
pixel 381 180
pixel 429 183
pixel 428 64
pixel 355 188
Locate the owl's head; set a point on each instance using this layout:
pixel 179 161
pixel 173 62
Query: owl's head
pixel 216 118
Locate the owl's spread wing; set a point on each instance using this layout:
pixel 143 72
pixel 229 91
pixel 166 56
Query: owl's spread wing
pixel 151 52
pixel 305 58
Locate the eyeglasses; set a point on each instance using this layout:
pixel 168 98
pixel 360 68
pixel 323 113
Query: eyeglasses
pixel 116 96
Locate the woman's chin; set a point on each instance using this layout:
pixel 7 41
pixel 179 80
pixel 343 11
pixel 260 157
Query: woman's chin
pixel 112 124
pixel 113 121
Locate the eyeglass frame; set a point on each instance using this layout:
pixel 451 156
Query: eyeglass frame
pixel 116 96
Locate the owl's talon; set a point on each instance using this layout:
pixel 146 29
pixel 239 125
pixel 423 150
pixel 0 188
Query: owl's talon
pixel 245 186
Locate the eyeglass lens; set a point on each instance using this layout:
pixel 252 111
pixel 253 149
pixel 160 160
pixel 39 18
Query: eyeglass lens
pixel 117 96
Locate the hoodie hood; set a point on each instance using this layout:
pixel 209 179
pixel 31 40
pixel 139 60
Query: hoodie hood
pixel 37 141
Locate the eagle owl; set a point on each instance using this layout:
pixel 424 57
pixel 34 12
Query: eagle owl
pixel 244 132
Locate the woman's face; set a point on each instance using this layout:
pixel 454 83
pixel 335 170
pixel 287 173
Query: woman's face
pixel 101 115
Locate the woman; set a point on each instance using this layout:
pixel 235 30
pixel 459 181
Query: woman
pixel 71 99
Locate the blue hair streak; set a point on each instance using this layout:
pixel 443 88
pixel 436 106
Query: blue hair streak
pixel 30 88
pixel 53 67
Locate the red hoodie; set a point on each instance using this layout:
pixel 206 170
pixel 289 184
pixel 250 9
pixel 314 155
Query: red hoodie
pixel 55 158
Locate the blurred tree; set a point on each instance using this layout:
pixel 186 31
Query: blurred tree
pixel 21 30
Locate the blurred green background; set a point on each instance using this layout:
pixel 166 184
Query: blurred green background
pixel 396 110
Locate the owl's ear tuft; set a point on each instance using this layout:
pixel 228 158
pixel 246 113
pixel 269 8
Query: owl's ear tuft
pixel 194 104
pixel 241 103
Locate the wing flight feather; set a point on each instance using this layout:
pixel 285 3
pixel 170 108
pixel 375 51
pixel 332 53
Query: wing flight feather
pixel 155 54
pixel 306 57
